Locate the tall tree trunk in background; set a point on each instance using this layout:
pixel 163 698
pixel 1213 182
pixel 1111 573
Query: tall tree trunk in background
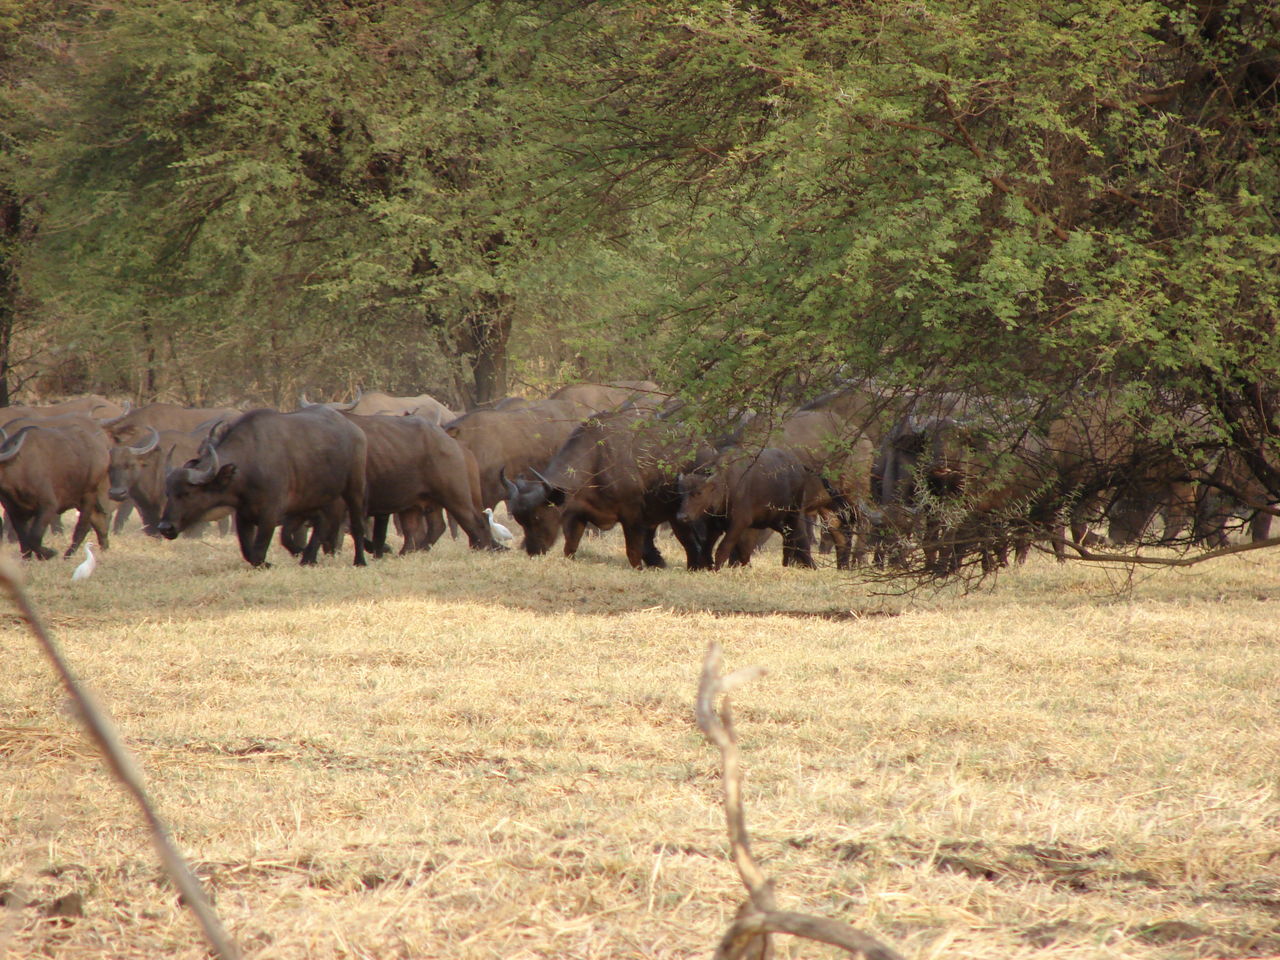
pixel 147 388
pixel 10 229
pixel 483 339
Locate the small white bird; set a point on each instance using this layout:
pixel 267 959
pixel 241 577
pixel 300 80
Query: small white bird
pixel 87 566
pixel 500 533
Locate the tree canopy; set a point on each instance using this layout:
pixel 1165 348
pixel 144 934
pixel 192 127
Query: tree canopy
pixel 745 201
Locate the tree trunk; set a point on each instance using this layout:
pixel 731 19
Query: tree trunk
pixel 10 229
pixel 483 341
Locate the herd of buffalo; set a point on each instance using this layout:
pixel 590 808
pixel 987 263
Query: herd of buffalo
pixel 905 479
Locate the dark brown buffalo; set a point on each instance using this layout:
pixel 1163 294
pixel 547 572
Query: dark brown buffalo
pixel 137 473
pixel 512 442
pixel 768 489
pixel 620 467
pixel 510 439
pixel 413 466
pixel 1228 494
pixel 47 469
pixel 832 445
pixel 134 427
pixel 270 467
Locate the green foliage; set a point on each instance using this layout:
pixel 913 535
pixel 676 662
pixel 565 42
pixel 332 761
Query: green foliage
pixel 746 200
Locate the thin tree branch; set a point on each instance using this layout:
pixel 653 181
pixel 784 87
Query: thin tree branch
pixel 121 765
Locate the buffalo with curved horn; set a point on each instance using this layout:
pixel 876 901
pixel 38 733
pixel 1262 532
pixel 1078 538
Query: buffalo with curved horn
pixel 269 468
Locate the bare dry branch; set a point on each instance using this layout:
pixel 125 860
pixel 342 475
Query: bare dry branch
pixel 1083 553
pixel 103 733
pixel 749 936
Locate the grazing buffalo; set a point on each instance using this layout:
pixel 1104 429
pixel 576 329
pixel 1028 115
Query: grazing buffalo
pixel 765 490
pixel 45 470
pixel 620 467
pixel 413 466
pixel 513 441
pixel 270 467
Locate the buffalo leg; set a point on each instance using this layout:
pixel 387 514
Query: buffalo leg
pixel 638 539
pixel 35 535
pixel 413 527
pixel 1260 527
pixel 325 529
pixel 122 514
pixel 435 527
pixel 292 534
pixel 254 540
pixel 574 527
pixel 727 546
pixel 90 515
pixel 795 542
pixel 354 501
pixel 693 537
pixel 78 533
pixel 377 544
pixel 261 543
pixel 652 555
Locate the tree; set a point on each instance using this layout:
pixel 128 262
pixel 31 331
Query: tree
pixel 292 183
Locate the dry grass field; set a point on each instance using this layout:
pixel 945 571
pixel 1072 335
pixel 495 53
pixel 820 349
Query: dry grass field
pixel 462 756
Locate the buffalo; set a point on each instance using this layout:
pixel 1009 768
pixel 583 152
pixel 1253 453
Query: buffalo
pixel 137 472
pixel 269 467
pixel 616 468
pixel 45 470
pixel 766 490
pixel 413 466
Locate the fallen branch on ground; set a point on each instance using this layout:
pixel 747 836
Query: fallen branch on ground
pixel 750 934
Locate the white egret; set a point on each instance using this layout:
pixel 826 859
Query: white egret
pixel 500 532
pixel 87 566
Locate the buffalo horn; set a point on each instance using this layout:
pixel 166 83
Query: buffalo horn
pixel 148 445
pixel 14 444
pixel 197 476
pixel 108 421
pixel 549 485
pixel 512 490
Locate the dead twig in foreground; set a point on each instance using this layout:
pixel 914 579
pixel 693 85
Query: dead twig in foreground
pixel 103 733
pixel 750 934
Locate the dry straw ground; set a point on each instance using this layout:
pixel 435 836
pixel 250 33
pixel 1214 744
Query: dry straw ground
pixel 459 756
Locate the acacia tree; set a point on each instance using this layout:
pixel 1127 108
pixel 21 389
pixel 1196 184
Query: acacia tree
pixel 294 180
pixel 1026 201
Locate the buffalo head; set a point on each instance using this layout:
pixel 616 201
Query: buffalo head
pixel 534 504
pixel 195 488
pixel 126 465
pixel 702 494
